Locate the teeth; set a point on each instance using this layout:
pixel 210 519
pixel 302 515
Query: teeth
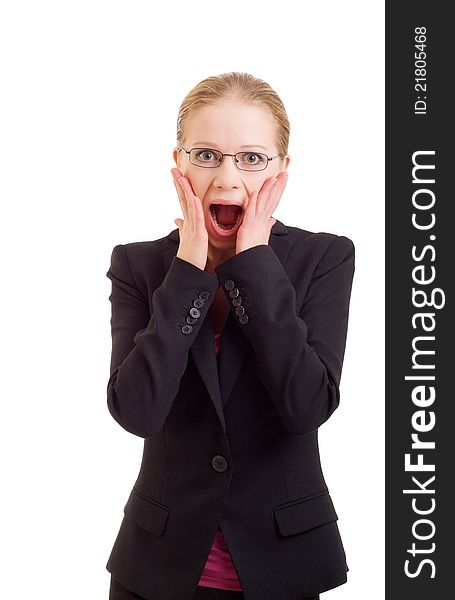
pixel 213 211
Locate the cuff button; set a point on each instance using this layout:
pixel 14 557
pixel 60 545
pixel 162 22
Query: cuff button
pixel 194 312
pixel 186 329
pixel 198 303
pixel 228 284
pixel 234 293
pixel 243 319
pixel 204 295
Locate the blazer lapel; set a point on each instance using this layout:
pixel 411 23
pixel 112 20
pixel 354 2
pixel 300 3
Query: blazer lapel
pixel 203 347
pixel 234 348
pixel 220 376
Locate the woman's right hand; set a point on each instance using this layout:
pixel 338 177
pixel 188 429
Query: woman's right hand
pixel 193 245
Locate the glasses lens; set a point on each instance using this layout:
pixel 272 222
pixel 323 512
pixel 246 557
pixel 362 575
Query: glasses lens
pixel 204 157
pixel 251 161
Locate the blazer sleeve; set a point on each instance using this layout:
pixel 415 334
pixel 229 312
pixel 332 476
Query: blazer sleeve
pixel 299 353
pixel 150 346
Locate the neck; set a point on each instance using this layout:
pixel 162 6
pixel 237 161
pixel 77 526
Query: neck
pixel 215 256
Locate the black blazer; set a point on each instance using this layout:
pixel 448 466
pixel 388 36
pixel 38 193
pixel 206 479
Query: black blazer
pixel 233 439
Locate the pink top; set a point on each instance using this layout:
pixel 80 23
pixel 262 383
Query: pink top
pixel 219 570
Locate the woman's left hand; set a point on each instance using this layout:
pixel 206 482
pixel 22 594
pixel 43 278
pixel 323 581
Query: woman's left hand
pixel 257 220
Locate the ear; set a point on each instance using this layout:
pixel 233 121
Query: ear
pixel 175 156
pixel 285 163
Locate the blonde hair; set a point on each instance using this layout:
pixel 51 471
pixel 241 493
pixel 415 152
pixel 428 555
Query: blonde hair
pixel 238 86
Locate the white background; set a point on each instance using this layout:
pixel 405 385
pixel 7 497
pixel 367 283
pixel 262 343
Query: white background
pixel 89 102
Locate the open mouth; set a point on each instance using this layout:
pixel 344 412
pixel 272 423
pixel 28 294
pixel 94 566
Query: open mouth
pixel 225 217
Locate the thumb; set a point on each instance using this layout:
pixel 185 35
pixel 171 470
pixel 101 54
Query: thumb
pixel 178 222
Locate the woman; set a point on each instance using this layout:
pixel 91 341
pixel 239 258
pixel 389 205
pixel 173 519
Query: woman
pixel 228 339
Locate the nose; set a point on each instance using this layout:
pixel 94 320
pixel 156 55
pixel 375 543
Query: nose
pixel 227 174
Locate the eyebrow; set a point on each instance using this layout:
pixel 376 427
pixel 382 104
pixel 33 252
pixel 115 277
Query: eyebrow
pixel 210 145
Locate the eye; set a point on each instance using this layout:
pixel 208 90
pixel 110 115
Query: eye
pixel 252 158
pixel 205 155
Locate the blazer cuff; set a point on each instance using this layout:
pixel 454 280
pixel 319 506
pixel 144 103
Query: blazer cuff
pixel 256 284
pixel 180 304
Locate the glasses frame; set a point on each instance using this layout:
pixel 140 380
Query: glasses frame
pixel 235 160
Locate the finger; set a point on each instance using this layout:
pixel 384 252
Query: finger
pixel 195 204
pixel 187 181
pixel 282 177
pixel 266 187
pixel 268 184
pixel 190 186
pixel 200 221
pixel 182 199
pixel 273 198
pixel 281 182
pixel 189 200
pixel 180 191
pixel 252 204
pixel 190 203
pixel 260 200
pixel 275 181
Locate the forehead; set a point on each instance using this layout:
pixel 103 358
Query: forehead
pixel 230 124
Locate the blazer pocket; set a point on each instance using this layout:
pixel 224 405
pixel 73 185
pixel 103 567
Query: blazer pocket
pixel 305 513
pixel 146 512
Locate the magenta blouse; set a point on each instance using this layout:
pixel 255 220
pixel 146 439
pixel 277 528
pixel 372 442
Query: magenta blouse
pixel 219 570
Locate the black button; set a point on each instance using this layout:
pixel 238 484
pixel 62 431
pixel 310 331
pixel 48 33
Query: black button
pixel 243 319
pixel 234 293
pixel 237 301
pixel 228 284
pixel 194 312
pixel 204 295
pixel 219 463
pixel 198 303
pixel 186 329
pixel 190 320
pixel 239 311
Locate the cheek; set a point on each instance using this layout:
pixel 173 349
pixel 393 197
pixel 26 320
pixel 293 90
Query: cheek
pixel 198 182
pixel 256 185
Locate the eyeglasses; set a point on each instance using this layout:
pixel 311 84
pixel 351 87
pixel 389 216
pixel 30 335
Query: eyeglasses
pixel 210 159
